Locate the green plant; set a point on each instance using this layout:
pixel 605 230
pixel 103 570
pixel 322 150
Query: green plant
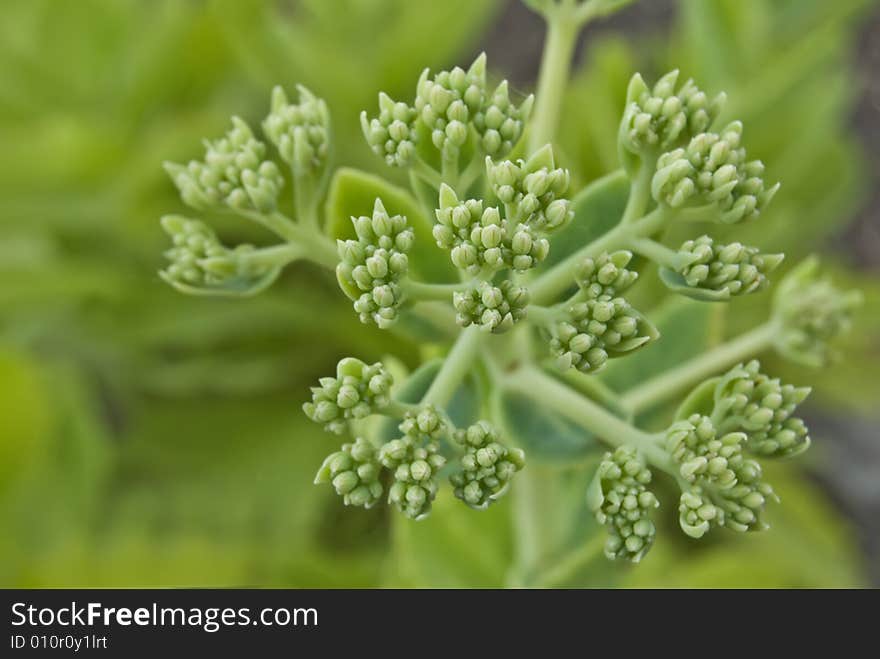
pixel 514 253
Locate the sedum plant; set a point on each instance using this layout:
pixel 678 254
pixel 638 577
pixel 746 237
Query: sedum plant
pixel 466 262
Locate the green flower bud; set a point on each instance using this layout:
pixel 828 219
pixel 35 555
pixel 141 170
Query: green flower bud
pixel 486 467
pixel 597 330
pixel 532 190
pixel 393 134
pixel 659 119
pixel 718 272
pixel 354 473
pixel 448 104
pixel 811 312
pixel 620 499
pixel 697 514
pixel 200 264
pixel 712 170
pixel 753 403
pixel 606 274
pixel 701 454
pixel 493 308
pixel 499 122
pixel 371 267
pixel 233 174
pixel 357 391
pixel 300 132
pixel 414 461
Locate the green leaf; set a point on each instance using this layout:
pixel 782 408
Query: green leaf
pixel 463 409
pixel 456 547
pixel 352 194
pixel 685 330
pixel 597 209
pixel 700 401
pixel 543 435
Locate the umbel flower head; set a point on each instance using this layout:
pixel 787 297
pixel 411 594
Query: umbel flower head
pixel 811 312
pixel 414 461
pixel 712 170
pixel 597 329
pixel 660 118
pixel 357 391
pixel 620 499
pixel 392 134
pixel 234 174
pixel 719 272
pixel 492 308
pixel 532 190
pixel 354 473
pixel 487 466
pixel 500 123
pixel 200 264
pixel 371 266
pixel 300 131
pixel 762 407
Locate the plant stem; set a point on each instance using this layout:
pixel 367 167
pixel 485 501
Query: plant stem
pixel 639 195
pixel 424 291
pixel 560 277
pixel 562 32
pixel 276 256
pixel 556 396
pixel 665 386
pixel 457 365
pixel 427 173
pixel 659 253
pixel 573 561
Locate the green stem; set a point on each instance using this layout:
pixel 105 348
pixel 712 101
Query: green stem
pixel 305 201
pixel 554 395
pixel 569 565
pixel 639 193
pixel 562 32
pixel 316 247
pixel 399 409
pixel 457 365
pixel 659 253
pixel 423 291
pixel 543 316
pixel 555 281
pixel 427 173
pixel 690 373
pixel 276 256
pixel 449 168
pixel 470 174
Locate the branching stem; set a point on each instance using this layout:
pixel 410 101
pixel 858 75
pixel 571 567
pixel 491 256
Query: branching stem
pixel 457 365
pixel 690 373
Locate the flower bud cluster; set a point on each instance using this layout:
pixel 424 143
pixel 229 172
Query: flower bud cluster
pixel 596 330
pixel 199 260
pixel 492 308
pixel 414 461
pixel 762 407
pixel 480 239
pixel 487 466
pixel 726 270
pixel 370 267
pixel 233 174
pixel 532 190
pixel 811 312
pixel 712 170
pixel 663 117
pixel 620 499
pixel 701 454
pixel 392 134
pixel 606 274
pixel 500 123
pixel 301 131
pixel 354 473
pixel 358 390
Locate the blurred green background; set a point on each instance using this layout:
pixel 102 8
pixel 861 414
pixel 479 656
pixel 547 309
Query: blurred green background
pixel 147 438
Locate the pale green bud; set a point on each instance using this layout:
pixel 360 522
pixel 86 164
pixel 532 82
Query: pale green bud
pixel 486 467
pixel 357 390
pixel 354 474
pixel 493 308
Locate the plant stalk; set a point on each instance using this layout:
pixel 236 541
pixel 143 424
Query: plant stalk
pixel 457 365
pixel 665 386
